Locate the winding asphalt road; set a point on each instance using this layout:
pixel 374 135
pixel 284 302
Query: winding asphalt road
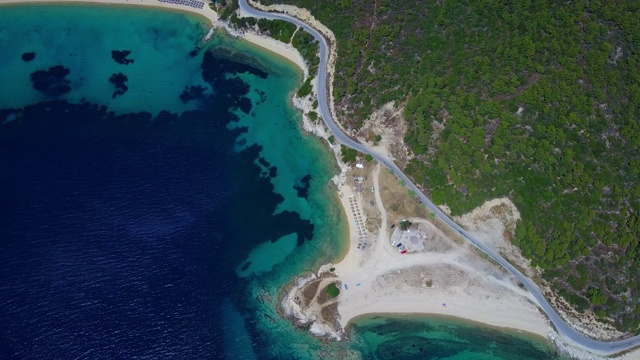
pixel 600 347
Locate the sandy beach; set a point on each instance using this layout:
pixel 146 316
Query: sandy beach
pixel 286 51
pixel 449 280
pixel 437 275
pixel 306 16
pixel 205 12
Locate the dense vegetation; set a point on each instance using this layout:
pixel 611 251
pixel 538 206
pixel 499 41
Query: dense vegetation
pixel 349 155
pixel 305 89
pixel 537 100
pixel 307 45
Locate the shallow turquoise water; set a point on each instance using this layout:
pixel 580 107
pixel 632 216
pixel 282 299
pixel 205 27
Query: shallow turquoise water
pixel 82 38
pixel 439 337
pixel 255 264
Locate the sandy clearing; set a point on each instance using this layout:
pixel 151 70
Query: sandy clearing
pixel 393 283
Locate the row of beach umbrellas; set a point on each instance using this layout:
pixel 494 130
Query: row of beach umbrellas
pixel 192 3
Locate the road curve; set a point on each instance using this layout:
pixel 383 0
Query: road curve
pixel 600 347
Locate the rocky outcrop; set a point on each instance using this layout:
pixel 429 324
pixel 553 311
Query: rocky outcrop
pixel 306 312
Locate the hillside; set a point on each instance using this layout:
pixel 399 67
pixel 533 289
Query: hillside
pixel 534 100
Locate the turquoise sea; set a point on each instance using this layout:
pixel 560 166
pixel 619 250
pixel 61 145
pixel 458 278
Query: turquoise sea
pixel 155 199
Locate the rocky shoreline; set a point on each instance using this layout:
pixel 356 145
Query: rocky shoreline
pixel 293 304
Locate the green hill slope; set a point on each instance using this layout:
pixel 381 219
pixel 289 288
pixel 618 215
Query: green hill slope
pixel 534 100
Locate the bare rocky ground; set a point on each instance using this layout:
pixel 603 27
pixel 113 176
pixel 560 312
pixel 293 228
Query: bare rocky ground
pixel 387 123
pixel 494 223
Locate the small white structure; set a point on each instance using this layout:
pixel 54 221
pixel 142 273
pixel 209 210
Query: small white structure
pixel 360 165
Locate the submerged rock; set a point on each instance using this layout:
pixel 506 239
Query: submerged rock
pixel 195 51
pixel 120 56
pixel 303 188
pixel 28 56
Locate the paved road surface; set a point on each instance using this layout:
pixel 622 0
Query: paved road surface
pixel 563 328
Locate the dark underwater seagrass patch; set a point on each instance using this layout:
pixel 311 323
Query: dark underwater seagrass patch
pixel 121 57
pixel 119 80
pixel 51 82
pixel 28 56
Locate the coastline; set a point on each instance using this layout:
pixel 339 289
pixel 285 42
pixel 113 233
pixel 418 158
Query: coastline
pixel 380 307
pixel 507 307
pixel 205 12
pixel 585 345
pixel 523 317
pixel 305 16
pixel 450 318
pixel 379 281
pixel 280 49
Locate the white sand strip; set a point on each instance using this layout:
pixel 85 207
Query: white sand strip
pixel 286 51
pixel 381 280
pixel 205 12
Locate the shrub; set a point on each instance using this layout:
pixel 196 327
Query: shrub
pixel 348 154
pixel 305 89
pixel 333 290
pixel 307 45
pixel 404 225
pixel 313 116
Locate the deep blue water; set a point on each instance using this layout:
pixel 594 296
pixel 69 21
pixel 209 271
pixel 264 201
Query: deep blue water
pixel 154 201
pixel 121 233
